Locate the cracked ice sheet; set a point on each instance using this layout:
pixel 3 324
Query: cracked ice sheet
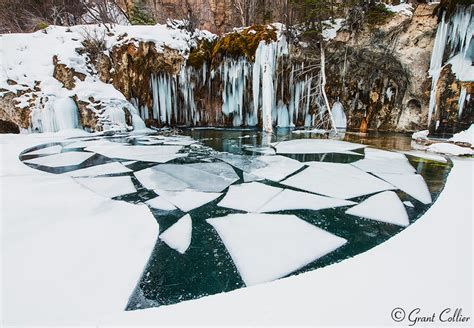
pixel 274 168
pixel 188 200
pixel 158 154
pixel 265 247
pixel 315 146
pixel 102 169
pixel 160 203
pixel 249 197
pixel 342 181
pixel 62 159
pixel 108 186
pixel 383 207
pixel 296 200
pixel 178 236
pixel 46 151
pixel 278 167
pixel 412 184
pixel 394 166
pixel 210 177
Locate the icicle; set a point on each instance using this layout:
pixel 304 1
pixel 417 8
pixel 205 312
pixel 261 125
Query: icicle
pixel 461 101
pixel 340 119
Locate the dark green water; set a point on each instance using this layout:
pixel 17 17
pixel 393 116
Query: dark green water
pixel 206 268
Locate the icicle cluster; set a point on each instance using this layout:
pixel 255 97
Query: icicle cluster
pixel 457 33
pixel 245 93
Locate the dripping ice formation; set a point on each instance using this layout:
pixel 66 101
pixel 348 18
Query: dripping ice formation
pixel 58 114
pixel 457 33
pixel 237 91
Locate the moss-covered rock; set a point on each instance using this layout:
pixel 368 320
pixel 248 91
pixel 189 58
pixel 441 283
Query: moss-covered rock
pixel 242 43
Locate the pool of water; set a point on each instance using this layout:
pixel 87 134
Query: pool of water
pixel 207 267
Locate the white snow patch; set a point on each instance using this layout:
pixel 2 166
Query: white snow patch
pixel 384 207
pixel 449 149
pixel 62 159
pixel 266 247
pixel 420 135
pixel 403 8
pixel 178 236
pixel 464 136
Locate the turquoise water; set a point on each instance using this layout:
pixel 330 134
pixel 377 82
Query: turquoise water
pixel 206 268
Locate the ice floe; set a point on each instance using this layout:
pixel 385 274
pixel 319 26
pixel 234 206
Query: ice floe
pixel 61 159
pixel 274 168
pixel 384 207
pixel 159 203
pixel 426 155
pixel 108 168
pixel 108 186
pixel 395 165
pixel 277 168
pixel 210 177
pixel 412 184
pixel 158 154
pixel 315 146
pixel 188 200
pixel 178 236
pixel 408 203
pixel 265 247
pixel 295 200
pixel 342 181
pixel 249 197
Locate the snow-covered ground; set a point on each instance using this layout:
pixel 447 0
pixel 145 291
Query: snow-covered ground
pixel 70 256
pixel 51 256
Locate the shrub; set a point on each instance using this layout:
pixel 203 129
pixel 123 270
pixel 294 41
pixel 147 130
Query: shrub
pixel 378 15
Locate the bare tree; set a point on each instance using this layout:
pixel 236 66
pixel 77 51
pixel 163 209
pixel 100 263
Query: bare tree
pixel 246 10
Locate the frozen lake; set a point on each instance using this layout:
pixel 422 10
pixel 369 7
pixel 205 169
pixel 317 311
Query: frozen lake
pixel 237 207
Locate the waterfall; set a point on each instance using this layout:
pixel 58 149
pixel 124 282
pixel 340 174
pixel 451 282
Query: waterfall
pixel 57 114
pixel 437 62
pixel 237 91
pixel 339 115
pixel 457 33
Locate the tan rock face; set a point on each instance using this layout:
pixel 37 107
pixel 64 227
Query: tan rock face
pixel 386 77
pixel 65 74
pixel 447 118
pixel 9 113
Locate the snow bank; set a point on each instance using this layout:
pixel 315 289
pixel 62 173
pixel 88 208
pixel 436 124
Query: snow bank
pixel 466 136
pixel 403 8
pixel 449 149
pixel 70 256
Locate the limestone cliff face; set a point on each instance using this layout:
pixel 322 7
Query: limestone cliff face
pixel 381 73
